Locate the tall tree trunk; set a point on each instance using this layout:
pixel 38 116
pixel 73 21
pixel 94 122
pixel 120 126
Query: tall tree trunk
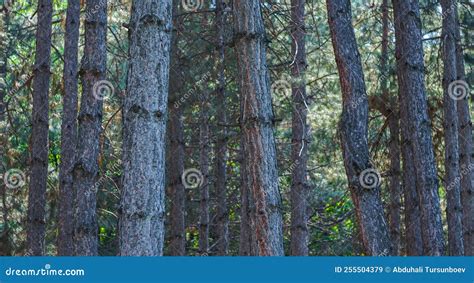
pixel 222 215
pixel 144 113
pixel 392 116
pixel 256 121
pixel 5 235
pixel 413 240
pixel 452 184
pixel 176 153
pixel 39 132
pixel 416 122
pixel 354 124
pixel 247 243
pixel 86 168
pixel 204 152
pixel 68 129
pixel 465 150
pixel 299 155
pixel 395 190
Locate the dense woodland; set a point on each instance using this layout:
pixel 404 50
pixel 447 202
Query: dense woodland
pixel 236 127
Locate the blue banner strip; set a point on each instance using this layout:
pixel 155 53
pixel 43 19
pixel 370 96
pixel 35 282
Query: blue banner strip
pixel 237 269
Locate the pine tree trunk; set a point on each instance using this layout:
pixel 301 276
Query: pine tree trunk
pixel 247 243
pixel 393 119
pixel 354 125
pixel 176 153
pixel 86 168
pixel 416 122
pixel 68 129
pixel 465 150
pixel 5 248
pixel 222 216
pixel 204 153
pixel 39 132
pixel 451 140
pixel 413 241
pixel 395 190
pixel 142 205
pixel 299 186
pixel 256 121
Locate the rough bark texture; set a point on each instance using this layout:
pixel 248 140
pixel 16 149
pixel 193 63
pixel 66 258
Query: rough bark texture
pixel 222 213
pixel 204 152
pixel 86 167
pixel 142 205
pixel 466 151
pixel 177 194
pixel 176 153
pixel 39 132
pixel 256 123
pixel 451 140
pixel 68 129
pixel 395 190
pixel 247 243
pixel 415 121
pixel 299 157
pixel 354 124
pixel 5 248
pixel 413 242
pixel 393 120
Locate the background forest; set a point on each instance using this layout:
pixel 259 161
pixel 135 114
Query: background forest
pixel 214 64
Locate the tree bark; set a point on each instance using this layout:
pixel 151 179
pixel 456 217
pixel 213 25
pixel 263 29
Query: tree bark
pixel 451 140
pixel 5 247
pixel 413 240
pixel 68 129
pixel 256 123
pixel 465 150
pixel 144 113
pixel 204 152
pixel 86 167
pixel 416 122
pixel 247 243
pixel 393 119
pixel 299 186
pixel 222 214
pixel 39 132
pixel 176 153
pixel 354 124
